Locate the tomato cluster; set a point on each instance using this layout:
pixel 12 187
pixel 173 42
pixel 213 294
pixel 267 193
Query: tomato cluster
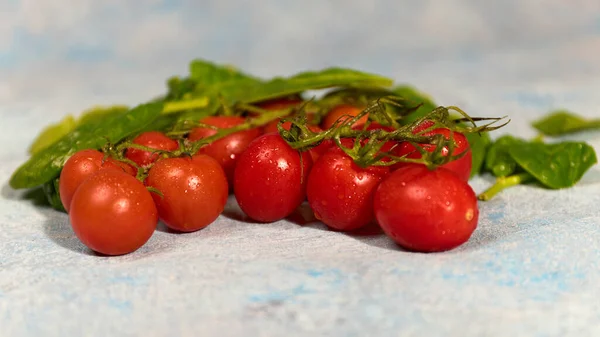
pixel 421 209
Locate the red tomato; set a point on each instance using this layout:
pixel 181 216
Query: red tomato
pixel 81 166
pixel 155 140
pixel 270 179
pixel 425 210
pixel 194 191
pixel 112 213
pixel 272 126
pixel 341 110
pixel 341 192
pixel 226 150
pixel 461 167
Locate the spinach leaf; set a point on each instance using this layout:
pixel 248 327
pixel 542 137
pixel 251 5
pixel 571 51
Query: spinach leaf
pixel 51 191
pixel 564 122
pixel 416 97
pixel 554 165
pixel 249 91
pixel 54 132
pixel 46 164
pixel 205 74
pixel 240 89
pixel 498 160
pixel 479 144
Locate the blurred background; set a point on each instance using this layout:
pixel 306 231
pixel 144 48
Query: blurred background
pixel 513 57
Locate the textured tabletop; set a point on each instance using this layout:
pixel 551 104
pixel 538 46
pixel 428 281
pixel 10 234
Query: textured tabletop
pixel 532 268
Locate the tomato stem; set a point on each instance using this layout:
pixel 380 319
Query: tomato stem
pixel 503 183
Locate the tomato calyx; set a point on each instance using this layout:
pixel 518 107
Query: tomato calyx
pixel 372 144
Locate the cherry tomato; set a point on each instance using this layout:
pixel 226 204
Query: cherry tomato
pixel 226 150
pixel 461 167
pixel 112 213
pixel 426 210
pixel 194 191
pixel 81 166
pixel 340 192
pixel 153 139
pixel 270 179
pixel 339 112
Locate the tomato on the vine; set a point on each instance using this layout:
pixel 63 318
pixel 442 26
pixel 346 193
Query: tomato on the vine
pixel 461 166
pixel 340 192
pixel 343 112
pixel 226 150
pixel 193 191
pixel 270 178
pixel 81 166
pixel 112 213
pixel 154 140
pixel 426 210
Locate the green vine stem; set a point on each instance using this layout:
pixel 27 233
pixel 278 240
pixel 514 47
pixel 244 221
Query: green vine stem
pixel 503 183
pixel 366 150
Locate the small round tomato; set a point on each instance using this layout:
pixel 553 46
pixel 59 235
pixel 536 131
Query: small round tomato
pixel 270 178
pixel 343 112
pixel 461 167
pixel 340 192
pixel 81 166
pixel 112 213
pixel 154 140
pixel 426 210
pixel 194 191
pixel 226 150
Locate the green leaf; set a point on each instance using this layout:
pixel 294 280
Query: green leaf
pixel 479 144
pixel 498 160
pixel 249 91
pixel 555 165
pixel 46 164
pixel 416 97
pixel 206 74
pixel 51 191
pixel 242 89
pixel 564 122
pixel 100 112
pixel 52 133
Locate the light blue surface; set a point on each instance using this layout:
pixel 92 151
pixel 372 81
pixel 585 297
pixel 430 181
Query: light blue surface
pixel 530 269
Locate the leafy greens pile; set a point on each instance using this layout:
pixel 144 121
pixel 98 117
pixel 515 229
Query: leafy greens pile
pixel 210 89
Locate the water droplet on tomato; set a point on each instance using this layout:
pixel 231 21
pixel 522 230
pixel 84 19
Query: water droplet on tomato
pixel 340 196
pixel 324 202
pixel 403 184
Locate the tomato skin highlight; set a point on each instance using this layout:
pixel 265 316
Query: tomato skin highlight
pixel 424 210
pixel 461 167
pixel 340 192
pixel 194 191
pixel 270 179
pixel 81 166
pixel 112 213
pixel 226 150
pixel 341 110
pixel 153 139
